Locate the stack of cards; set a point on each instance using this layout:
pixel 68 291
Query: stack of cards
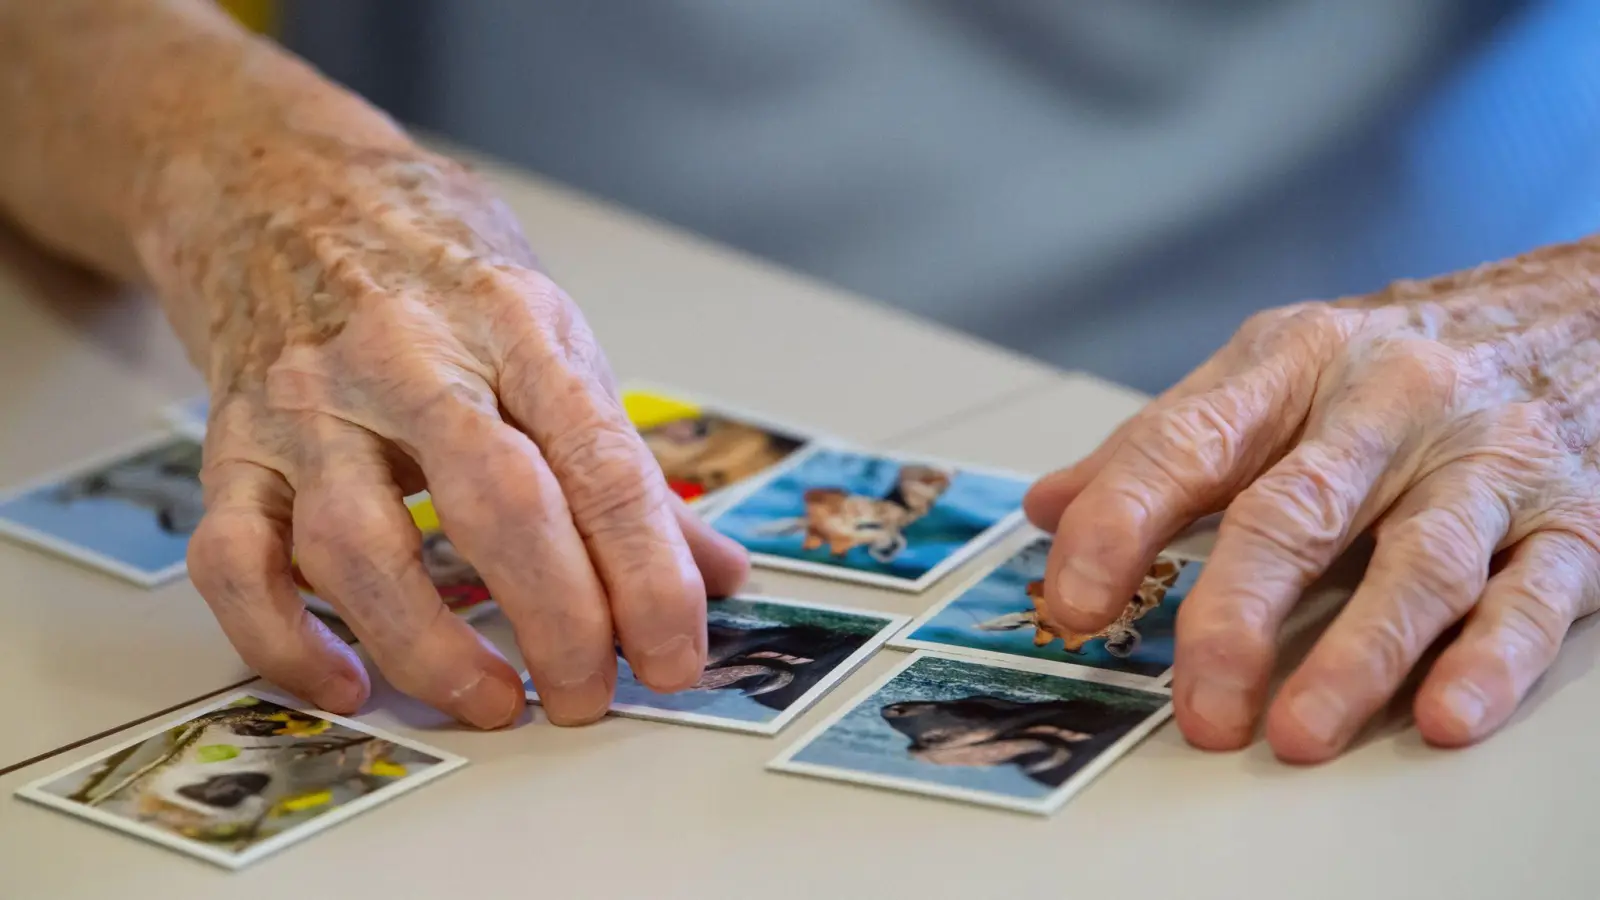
pixel 994 703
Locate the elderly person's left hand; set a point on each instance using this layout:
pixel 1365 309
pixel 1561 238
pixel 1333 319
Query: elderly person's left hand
pixel 1457 418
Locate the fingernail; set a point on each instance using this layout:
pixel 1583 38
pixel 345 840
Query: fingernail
pixel 1081 586
pixel 673 662
pixel 339 692
pixel 1223 705
pixel 488 703
pixel 1466 703
pixel 579 700
pixel 1320 713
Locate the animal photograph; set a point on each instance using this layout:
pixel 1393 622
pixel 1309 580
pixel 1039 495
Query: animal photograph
pixel 703 452
pixel 132 515
pixel 229 783
pixel 988 733
pixel 871 518
pixel 766 660
pixel 999 615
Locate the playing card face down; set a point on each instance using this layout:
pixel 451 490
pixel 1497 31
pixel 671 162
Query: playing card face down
pixel 241 779
pixel 129 513
pixel 460 586
pixel 705 450
pixel 869 517
pixel 992 734
pixel 767 661
pixel 996 616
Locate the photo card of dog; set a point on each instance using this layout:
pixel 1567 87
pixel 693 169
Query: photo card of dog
pixel 129 512
pixel 768 661
pixel 996 615
pixel 707 448
pixel 242 778
pixel 1008 735
pixel 461 588
pixel 874 518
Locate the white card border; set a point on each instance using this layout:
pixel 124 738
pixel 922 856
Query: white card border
pixel 962 556
pixel 1021 539
pixel 708 503
pixel 34 791
pixel 892 624
pixel 147 578
pixel 1045 806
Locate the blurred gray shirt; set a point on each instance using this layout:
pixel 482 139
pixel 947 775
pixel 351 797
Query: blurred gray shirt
pixel 1107 184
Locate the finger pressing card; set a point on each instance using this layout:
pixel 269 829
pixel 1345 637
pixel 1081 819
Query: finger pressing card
pixel 705 449
pixel 1009 736
pixel 129 512
pixel 884 520
pixel 999 615
pixel 241 779
pixel 768 660
pixel 460 586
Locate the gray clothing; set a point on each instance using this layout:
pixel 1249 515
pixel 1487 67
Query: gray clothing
pixel 1108 184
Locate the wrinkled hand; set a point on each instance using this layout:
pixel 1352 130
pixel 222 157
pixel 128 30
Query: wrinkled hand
pixel 379 325
pixel 1456 418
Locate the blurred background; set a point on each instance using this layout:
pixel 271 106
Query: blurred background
pixel 1109 185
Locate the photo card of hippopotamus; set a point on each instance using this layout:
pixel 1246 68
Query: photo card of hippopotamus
pixel 874 518
pixel 242 778
pixel 1009 735
pixel 768 661
pixel 707 448
pixel 129 512
pixel 995 616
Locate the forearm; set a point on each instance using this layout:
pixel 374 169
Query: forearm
pixel 119 118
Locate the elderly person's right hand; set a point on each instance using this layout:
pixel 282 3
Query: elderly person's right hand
pixel 371 322
pixel 1457 418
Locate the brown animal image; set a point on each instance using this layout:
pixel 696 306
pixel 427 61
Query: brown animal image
pixel 1121 637
pixel 842 521
pixel 707 453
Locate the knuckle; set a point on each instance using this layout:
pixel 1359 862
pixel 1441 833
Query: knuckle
pixel 1385 649
pixel 1441 552
pixel 607 475
pixel 353 544
pixel 1425 372
pixel 1191 444
pixel 1297 510
pixel 1531 624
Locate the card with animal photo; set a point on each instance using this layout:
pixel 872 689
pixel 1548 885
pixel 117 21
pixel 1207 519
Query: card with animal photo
pixel 129 512
pixel 460 586
pixel 1012 736
pixel 870 517
pixel 768 660
pixel 996 615
pixel 705 448
pixel 241 779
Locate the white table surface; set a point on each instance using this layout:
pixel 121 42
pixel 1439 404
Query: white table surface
pixel 639 809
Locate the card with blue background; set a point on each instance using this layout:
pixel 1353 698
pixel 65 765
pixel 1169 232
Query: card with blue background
pixel 129 513
pixel 994 616
pixel 872 518
pixel 1006 735
pixel 767 661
